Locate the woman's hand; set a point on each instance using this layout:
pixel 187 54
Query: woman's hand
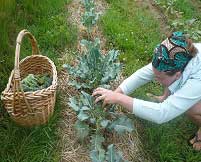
pixel 111 97
pixel 108 96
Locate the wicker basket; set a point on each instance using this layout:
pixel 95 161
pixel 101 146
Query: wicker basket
pixel 30 108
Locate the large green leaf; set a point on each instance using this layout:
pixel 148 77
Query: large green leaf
pixel 87 99
pixel 113 156
pixel 96 141
pixel 73 104
pixel 121 125
pixel 77 85
pixel 84 108
pixel 82 116
pixel 97 155
pixel 104 123
pixel 82 129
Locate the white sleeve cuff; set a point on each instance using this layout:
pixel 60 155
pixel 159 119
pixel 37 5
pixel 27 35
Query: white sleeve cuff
pixel 124 89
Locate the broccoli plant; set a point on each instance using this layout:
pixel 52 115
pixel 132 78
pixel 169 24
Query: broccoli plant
pixel 36 82
pixel 94 69
pixel 88 4
pixel 90 17
pixel 95 121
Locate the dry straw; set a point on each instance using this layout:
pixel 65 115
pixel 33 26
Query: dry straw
pixel 30 108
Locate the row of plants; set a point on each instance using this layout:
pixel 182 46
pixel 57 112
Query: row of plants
pixel 180 17
pixel 94 122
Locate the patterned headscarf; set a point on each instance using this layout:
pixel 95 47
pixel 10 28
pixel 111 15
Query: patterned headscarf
pixel 171 54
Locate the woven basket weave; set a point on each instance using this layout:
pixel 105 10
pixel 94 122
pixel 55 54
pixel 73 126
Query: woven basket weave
pixel 30 108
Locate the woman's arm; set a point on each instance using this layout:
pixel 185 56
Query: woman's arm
pixel 176 104
pixel 118 90
pixel 173 106
pixel 137 79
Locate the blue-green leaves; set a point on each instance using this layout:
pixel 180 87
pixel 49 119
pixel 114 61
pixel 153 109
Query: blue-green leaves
pixel 88 4
pixel 94 69
pixel 122 124
pixel 93 121
pixel 73 104
pixel 82 115
pixel 36 82
pixel 90 17
pixel 98 154
pixel 82 130
pixel 113 156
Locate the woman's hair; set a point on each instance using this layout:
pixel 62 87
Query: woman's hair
pixel 191 48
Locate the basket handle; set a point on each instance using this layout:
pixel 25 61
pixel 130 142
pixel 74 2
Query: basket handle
pixel 35 51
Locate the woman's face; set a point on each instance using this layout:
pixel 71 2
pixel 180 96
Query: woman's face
pixel 165 79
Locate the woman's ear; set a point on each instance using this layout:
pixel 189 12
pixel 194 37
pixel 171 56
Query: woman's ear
pixel 178 74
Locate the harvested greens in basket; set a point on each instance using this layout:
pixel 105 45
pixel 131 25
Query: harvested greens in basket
pixel 36 82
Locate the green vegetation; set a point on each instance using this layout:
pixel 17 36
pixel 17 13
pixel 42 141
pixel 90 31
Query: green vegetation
pixel 90 16
pixel 46 20
pixel 36 144
pixel 94 69
pixel 93 121
pixel 133 31
pixel 129 26
pixel 36 82
pixel 182 15
pixel 97 122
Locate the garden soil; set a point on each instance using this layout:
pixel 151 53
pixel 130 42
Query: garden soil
pixel 73 151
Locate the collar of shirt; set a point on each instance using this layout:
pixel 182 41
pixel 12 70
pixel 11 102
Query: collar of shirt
pixel 175 85
pixel 192 70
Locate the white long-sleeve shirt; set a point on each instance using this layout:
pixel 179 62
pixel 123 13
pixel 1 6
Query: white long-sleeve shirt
pixel 185 92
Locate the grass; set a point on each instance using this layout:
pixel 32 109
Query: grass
pixel 183 15
pixel 36 144
pixel 46 20
pixel 169 141
pixel 132 29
